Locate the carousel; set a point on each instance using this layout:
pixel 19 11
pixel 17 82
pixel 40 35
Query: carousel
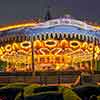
pixel 62 44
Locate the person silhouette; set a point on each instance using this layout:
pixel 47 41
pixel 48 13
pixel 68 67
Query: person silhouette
pixel 22 95
pixel 93 97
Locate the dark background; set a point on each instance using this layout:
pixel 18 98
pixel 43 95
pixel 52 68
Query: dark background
pixel 16 10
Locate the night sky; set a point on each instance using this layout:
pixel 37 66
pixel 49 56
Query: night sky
pixel 13 10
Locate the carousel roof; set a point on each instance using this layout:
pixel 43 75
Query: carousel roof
pixel 60 25
pixel 65 25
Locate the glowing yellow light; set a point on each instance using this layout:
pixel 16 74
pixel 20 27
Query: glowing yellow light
pixel 57 66
pixel 97 49
pixel 8 48
pixel 17 26
pixel 96 55
pixel 2 58
pixel 64 44
pixel 37 44
pixel 87 52
pixel 84 45
pixel 3 49
pixel 25 45
pixel 90 46
pixel 44 50
pixel 97 27
pixel 13 52
pixel 22 51
pixel 50 43
pixel 74 44
pixel 56 51
pixel 1 52
pixel 15 46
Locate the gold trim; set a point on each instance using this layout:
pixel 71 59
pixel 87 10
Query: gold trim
pixel 17 26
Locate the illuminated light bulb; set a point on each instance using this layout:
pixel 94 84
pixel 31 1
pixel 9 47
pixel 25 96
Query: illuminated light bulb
pixel 3 49
pixel 74 44
pixel 57 67
pixel 90 46
pixel 51 43
pixel 25 45
pixel 96 55
pixel 97 49
pixel 64 44
pixel 84 45
pixel 3 58
pixel 1 52
pixel 8 48
pixel 37 44
pixel 15 46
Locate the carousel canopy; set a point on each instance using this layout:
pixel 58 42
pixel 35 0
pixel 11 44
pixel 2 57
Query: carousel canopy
pixel 60 25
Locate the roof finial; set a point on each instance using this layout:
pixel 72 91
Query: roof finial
pixel 48 14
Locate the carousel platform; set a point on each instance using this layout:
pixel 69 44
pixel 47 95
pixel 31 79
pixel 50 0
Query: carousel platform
pixel 47 77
